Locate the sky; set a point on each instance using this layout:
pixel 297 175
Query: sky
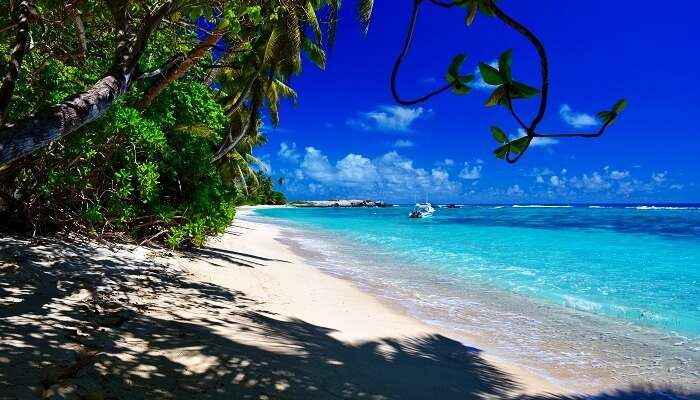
pixel 347 138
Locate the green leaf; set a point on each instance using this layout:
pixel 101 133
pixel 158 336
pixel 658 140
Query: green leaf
pixel 524 90
pixel 313 21
pixel 459 88
pixel 519 145
pixel 453 69
pixel 619 106
pixel 501 152
pixel 314 52
pixel 473 8
pixel 605 116
pixel 485 8
pixel 490 74
pixel 496 97
pixel 464 79
pixel 499 135
pixel 365 13
pixel 504 62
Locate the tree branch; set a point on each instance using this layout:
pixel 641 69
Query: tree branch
pixel 402 56
pixel 252 116
pixel 239 101
pixel 79 26
pixel 22 16
pixel 544 64
pixel 575 135
pixel 171 75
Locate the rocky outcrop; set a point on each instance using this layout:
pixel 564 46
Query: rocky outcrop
pixel 341 203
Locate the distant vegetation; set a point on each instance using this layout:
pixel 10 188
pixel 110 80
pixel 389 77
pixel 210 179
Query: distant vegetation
pixel 138 120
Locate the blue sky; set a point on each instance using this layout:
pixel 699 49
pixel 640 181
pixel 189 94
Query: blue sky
pixel 346 137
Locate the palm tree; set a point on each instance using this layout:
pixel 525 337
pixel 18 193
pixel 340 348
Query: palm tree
pixel 260 78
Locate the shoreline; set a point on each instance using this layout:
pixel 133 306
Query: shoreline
pixel 535 382
pixel 366 317
pixel 618 349
pixel 246 316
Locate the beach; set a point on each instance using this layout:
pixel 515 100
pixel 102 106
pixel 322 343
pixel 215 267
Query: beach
pixel 247 317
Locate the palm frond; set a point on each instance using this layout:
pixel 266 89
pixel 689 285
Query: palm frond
pixel 313 20
pixel 365 13
pixel 314 52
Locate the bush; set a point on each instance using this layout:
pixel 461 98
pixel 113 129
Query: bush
pixel 144 175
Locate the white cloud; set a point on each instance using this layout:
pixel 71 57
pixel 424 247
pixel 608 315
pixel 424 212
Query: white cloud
pixel 659 177
pixel 555 181
pixel 388 118
pixel 317 167
pixel 315 188
pixel 608 183
pixel 676 187
pixel 440 175
pixel 576 119
pixel 593 183
pixel 288 151
pixel 543 141
pixel 354 170
pixel 515 190
pixel 403 143
pixel 391 174
pixel 617 175
pixel 471 172
pixel 448 162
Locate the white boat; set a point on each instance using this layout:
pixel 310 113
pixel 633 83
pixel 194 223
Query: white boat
pixel 422 210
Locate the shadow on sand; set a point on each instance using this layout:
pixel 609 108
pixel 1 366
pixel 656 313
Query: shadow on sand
pixel 127 340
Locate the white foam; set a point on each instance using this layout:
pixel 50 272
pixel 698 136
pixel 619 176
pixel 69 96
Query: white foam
pixel 539 206
pixel 662 208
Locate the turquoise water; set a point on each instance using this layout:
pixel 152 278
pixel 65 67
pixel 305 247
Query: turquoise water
pixel 638 265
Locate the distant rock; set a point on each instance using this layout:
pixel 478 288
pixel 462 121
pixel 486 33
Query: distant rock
pixel 340 203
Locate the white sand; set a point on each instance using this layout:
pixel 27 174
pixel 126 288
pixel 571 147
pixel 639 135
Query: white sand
pixel 244 318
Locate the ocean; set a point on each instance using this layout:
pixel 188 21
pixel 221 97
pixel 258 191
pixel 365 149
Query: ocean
pixel 590 292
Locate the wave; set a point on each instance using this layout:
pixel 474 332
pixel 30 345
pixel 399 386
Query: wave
pixel 580 304
pixel 538 206
pixel 662 208
pixel 598 207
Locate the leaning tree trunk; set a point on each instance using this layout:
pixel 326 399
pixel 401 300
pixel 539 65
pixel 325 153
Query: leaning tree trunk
pixel 21 19
pixel 34 132
pixel 29 134
pixel 173 74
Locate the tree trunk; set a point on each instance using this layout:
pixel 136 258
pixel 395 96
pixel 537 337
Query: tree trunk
pixel 72 10
pixel 37 131
pixel 215 72
pixel 21 19
pixel 173 74
pixel 233 142
pixel 34 132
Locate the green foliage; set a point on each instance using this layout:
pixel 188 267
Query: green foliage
pixel 499 135
pixel 460 82
pixel 141 174
pixel 149 174
pixel 264 192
